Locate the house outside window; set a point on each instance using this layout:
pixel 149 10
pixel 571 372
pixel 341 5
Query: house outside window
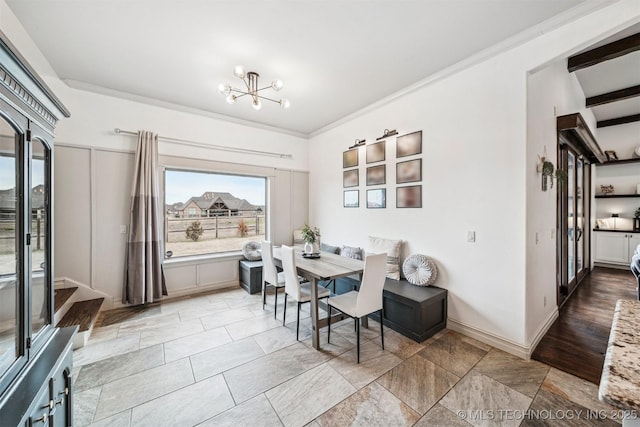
pixel 209 213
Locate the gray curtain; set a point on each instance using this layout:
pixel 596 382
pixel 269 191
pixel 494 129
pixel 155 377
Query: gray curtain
pixel 144 276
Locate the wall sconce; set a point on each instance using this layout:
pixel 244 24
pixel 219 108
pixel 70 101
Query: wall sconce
pixel 358 143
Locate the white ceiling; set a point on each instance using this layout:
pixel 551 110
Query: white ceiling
pixel 335 57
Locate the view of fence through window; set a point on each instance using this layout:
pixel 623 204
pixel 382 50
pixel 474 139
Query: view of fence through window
pixel 211 213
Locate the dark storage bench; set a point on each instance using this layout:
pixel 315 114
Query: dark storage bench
pixel 417 312
pixel 251 276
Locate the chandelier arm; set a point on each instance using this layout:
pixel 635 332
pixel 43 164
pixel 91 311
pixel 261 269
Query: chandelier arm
pixel 268 99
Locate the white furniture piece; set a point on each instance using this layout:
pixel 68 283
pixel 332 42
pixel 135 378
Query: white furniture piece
pixel 358 304
pixel 615 247
pixel 301 292
pixel 270 276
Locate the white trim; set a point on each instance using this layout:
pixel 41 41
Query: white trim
pixel 543 330
pixel 201 288
pixel 201 259
pixel 488 338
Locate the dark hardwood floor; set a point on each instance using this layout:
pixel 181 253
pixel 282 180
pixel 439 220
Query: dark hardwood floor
pixel 577 340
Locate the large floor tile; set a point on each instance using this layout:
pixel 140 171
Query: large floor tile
pixel 371 406
pixel 453 354
pixel 226 317
pixel 202 310
pixel 373 362
pixel 521 375
pixel 439 416
pixel 227 356
pixel 196 343
pixel 256 412
pixel 185 407
pixel 549 409
pixel 485 402
pixel 148 322
pixel 245 328
pixel 336 347
pixel 167 333
pixel 105 349
pixel 143 387
pixel 575 389
pixel 260 375
pixel 303 398
pixel 276 338
pixel 398 344
pixel 418 382
pixel 114 368
pixel 84 406
pixel 123 419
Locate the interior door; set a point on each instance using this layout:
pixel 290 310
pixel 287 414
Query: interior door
pixel 573 221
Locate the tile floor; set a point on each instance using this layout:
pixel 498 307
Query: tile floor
pixel 221 360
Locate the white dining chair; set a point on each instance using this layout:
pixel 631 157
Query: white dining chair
pixel 270 275
pixel 301 292
pixel 358 304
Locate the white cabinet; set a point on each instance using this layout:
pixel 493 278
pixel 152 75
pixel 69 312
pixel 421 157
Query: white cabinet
pixel 615 247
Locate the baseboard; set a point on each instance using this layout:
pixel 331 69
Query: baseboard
pixel 611 265
pixel 542 331
pixel 202 288
pixel 489 338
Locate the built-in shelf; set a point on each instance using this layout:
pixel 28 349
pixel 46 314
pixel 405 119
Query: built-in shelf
pixel 615 196
pixel 618 162
pixel 617 230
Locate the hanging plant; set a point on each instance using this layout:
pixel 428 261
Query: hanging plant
pixel 549 173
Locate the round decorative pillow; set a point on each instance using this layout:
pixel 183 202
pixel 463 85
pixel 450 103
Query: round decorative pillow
pixel 251 251
pixel 420 270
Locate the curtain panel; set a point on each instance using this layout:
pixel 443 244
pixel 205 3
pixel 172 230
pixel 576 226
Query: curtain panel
pixel 144 276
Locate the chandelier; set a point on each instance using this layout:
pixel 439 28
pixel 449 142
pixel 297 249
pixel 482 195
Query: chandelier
pixel 250 80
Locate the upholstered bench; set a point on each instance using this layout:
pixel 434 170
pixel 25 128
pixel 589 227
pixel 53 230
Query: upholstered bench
pixel 417 312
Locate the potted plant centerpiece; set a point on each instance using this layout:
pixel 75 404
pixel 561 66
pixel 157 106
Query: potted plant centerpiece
pixel 311 238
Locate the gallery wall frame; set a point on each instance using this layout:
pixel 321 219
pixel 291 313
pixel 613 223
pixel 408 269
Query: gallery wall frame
pixel 376 152
pixel 409 197
pixel 376 175
pixel 351 199
pixel 350 158
pixel 409 144
pixel 350 178
pixel 377 198
pixel 409 171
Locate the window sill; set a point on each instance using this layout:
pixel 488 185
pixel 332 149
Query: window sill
pixel 201 259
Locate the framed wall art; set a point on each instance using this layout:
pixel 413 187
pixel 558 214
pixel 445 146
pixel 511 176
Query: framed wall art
pixel 377 198
pixel 409 171
pixel 376 175
pixel 351 199
pixel 350 158
pixel 375 152
pixel 350 178
pixel 409 197
pixel 408 145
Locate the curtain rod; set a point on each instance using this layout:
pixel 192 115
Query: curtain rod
pixel 213 146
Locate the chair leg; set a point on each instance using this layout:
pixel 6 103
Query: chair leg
pixel 355 325
pixel 264 294
pixel 357 341
pixel 381 331
pixel 284 316
pixel 275 302
pixel 329 325
pixel 298 323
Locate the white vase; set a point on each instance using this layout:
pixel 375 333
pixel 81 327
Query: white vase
pixel 308 248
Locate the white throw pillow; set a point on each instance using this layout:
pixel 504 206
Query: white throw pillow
pixel 379 245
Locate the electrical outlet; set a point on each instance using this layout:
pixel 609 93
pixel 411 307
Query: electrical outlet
pixel 471 236
pixel 123 229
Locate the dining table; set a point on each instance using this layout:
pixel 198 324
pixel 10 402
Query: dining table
pixel 325 267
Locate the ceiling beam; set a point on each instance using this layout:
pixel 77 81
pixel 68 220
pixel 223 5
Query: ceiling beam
pixel 619 121
pixel 616 95
pixel 604 53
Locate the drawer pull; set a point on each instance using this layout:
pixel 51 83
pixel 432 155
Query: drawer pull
pixel 44 418
pixel 60 402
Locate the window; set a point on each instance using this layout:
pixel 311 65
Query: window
pixel 207 213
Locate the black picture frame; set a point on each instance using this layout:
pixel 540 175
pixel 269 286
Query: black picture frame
pixel 376 152
pixel 409 144
pixel 611 155
pixel 350 178
pixel 377 175
pixel 351 199
pixel 350 158
pixel 409 197
pixel 409 171
pixel 377 198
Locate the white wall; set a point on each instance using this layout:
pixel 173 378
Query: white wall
pixel 551 92
pixel 477 173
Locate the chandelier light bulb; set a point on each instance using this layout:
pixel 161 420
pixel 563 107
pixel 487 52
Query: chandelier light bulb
pixel 239 72
pixel 285 103
pixel 231 99
pixel 224 88
pixel 277 85
pixel 257 104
